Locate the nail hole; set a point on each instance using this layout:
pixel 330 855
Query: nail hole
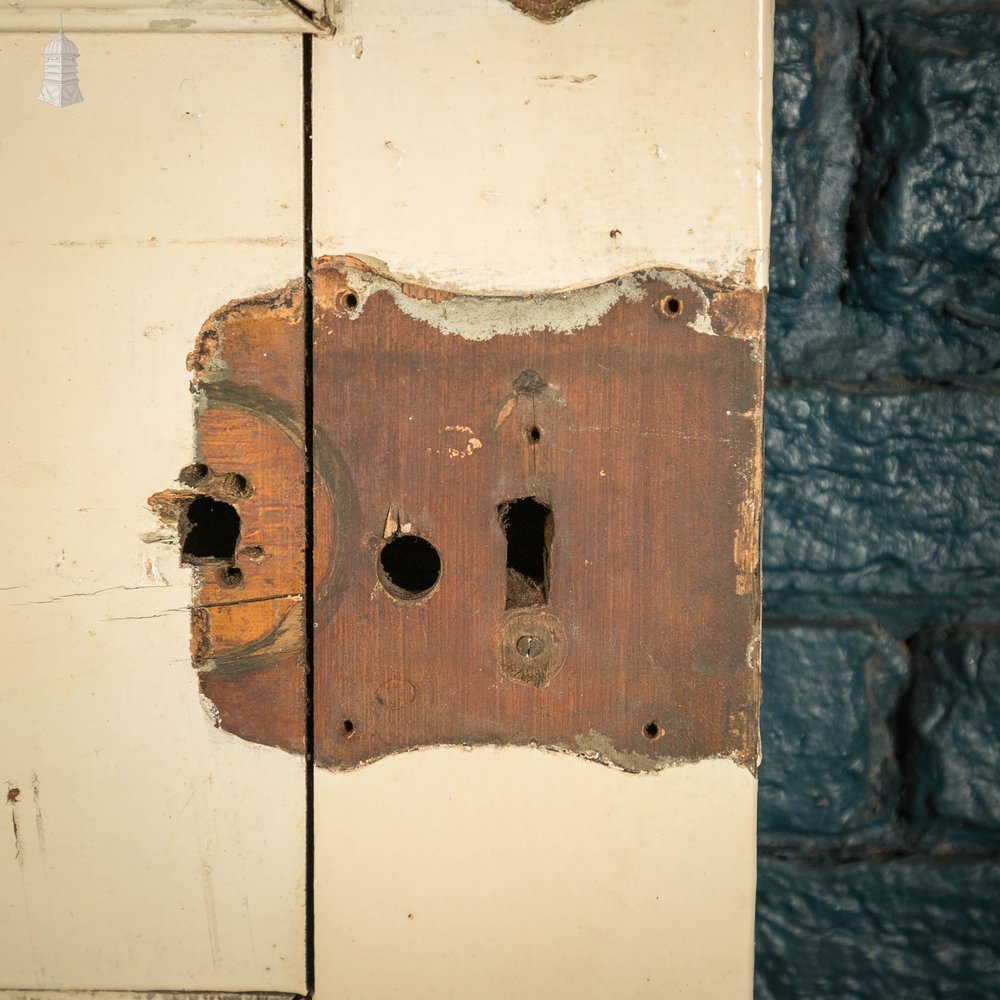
pixel 528 525
pixel 652 730
pixel 229 576
pixel 193 474
pixel 409 566
pixel 671 306
pixel 347 728
pixel 236 484
pixel 534 434
pixel 209 531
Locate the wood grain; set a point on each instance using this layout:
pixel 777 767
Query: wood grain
pixel 247 637
pixel 649 453
pixel 638 426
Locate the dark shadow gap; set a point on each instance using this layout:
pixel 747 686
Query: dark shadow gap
pixel 309 527
pixel 209 531
pixel 528 526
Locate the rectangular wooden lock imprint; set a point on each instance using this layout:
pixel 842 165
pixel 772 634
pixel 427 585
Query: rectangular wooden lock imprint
pixel 536 519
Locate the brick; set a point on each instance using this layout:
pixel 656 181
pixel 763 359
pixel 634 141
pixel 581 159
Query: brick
pixel 886 218
pixel 881 504
pixel 954 718
pixel 816 49
pixel 828 768
pixel 813 69
pixel 877 929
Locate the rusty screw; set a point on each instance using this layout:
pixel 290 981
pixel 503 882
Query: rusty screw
pixel 529 646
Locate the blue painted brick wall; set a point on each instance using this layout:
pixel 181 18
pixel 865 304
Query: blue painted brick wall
pixel 879 824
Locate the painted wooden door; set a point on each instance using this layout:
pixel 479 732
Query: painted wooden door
pixel 143 848
pixel 479 150
pixel 469 164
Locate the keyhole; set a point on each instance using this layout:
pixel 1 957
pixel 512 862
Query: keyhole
pixel 528 525
pixel 409 566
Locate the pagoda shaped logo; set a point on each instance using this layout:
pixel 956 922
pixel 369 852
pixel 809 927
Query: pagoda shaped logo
pixel 60 85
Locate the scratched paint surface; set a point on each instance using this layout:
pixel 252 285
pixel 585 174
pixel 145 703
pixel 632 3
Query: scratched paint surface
pixel 152 850
pixel 522 158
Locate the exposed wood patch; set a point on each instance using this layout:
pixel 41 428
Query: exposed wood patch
pixel 536 518
pixel 247 626
pixel 620 408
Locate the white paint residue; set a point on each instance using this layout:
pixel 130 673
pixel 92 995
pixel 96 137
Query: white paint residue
pixel 472 445
pixel 209 708
pixel 702 323
pixel 483 317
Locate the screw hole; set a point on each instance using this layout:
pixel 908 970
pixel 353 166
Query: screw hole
pixel 652 730
pixel 671 306
pixel 229 576
pixel 237 484
pixel 193 474
pixel 347 728
pixel 409 566
pixel 534 434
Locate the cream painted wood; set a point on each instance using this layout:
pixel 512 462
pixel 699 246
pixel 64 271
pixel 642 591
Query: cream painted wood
pixel 151 850
pixel 518 873
pixel 186 16
pixel 464 144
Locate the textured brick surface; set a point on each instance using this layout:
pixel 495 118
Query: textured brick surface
pixel 881 662
pixel 872 497
pixel 953 760
pixel 813 154
pixel 886 221
pixel 878 929
pixel 828 768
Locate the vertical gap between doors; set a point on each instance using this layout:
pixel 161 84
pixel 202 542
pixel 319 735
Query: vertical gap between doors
pixel 308 615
